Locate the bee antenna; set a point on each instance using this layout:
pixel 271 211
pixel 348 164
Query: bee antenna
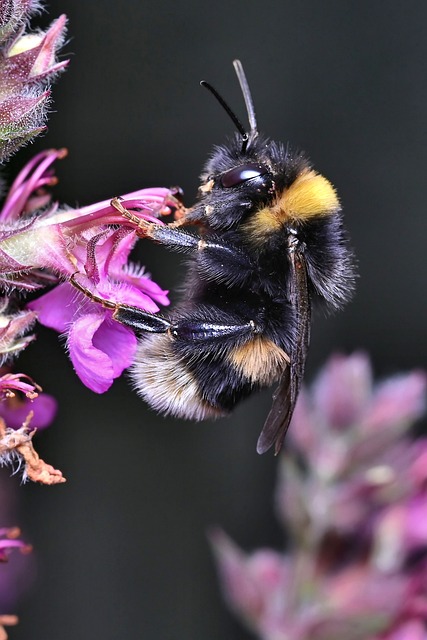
pixel 238 67
pixel 240 128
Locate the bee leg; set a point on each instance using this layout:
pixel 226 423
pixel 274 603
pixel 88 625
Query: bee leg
pixel 132 317
pixel 218 260
pixel 190 331
pixel 170 235
pixel 107 304
pixel 187 330
pixel 139 320
pixel 196 331
pixel 174 237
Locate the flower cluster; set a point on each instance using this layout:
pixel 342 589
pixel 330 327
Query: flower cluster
pixel 352 497
pixel 43 246
pixel 92 244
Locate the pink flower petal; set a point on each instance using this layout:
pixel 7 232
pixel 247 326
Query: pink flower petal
pixel 416 521
pixel 118 342
pixel 135 275
pixel 398 402
pixel 127 294
pixel 91 352
pixel 56 309
pixel 239 587
pixel 136 298
pixel 152 289
pixel 342 389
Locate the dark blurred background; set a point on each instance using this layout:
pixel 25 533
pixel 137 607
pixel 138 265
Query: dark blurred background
pixel 121 548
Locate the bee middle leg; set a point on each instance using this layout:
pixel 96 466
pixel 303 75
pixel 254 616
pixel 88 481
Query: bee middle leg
pixel 133 317
pixel 185 330
pixel 195 330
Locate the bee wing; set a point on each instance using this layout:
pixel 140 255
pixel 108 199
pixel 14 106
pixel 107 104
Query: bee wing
pixel 285 396
pixel 278 419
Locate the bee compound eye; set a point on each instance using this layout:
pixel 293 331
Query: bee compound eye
pixel 242 173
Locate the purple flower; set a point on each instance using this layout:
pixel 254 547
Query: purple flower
pixel 66 241
pixel 290 597
pixel 93 245
pixel 99 348
pixel 352 497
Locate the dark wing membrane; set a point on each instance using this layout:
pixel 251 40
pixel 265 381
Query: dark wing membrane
pixel 285 397
pixel 278 419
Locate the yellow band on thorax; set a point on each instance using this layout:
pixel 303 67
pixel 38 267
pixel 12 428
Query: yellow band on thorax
pixel 310 195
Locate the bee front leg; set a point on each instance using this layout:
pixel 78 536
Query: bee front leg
pixel 217 260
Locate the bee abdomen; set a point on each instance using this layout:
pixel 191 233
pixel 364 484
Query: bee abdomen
pixel 166 383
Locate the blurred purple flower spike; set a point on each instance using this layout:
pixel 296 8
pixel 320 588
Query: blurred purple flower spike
pixel 352 496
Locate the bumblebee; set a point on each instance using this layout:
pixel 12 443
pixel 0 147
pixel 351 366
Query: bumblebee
pixel 268 240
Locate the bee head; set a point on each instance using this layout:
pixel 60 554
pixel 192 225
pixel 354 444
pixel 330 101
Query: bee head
pixel 238 175
pixel 234 183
